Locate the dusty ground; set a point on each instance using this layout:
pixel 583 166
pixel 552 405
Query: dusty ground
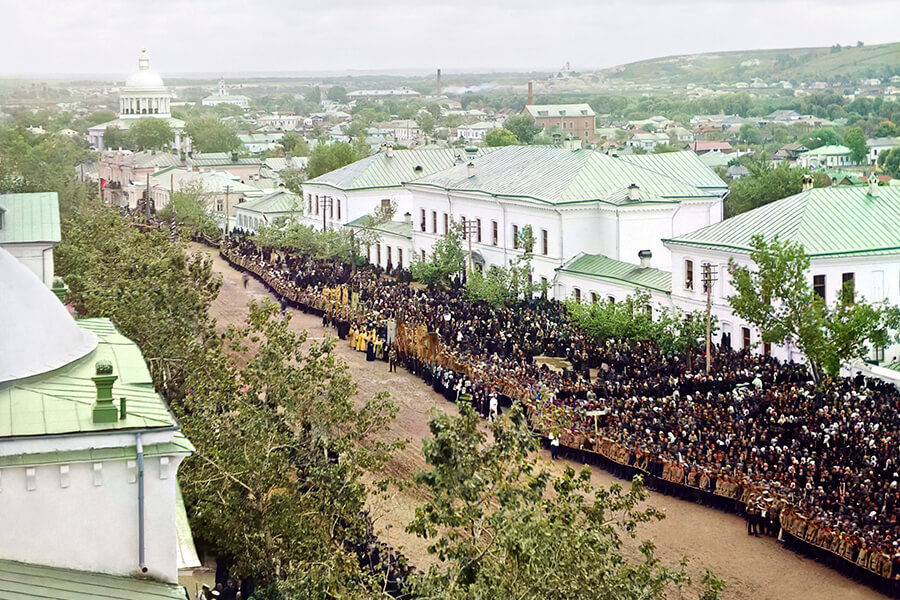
pixel 754 568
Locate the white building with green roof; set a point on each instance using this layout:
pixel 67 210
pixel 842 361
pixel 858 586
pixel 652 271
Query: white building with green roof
pixel 89 455
pixel 29 230
pixel 267 210
pixel 576 202
pixel 850 233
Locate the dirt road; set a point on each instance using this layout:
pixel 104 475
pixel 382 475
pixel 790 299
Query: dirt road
pixel 754 568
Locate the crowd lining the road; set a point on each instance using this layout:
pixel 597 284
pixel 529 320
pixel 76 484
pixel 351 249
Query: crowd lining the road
pixel 814 465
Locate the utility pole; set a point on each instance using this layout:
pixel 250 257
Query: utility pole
pixel 469 227
pixel 326 202
pixel 227 194
pixel 147 203
pixel 709 278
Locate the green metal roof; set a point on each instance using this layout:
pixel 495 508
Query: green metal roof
pixel 221 159
pixel 61 402
pixel 382 171
pixel 399 228
pixel 893 366
pixel 148 160
pixel 602 267
pixel 561 176
pixel 684 166
pixel 833 221
pixel 827 151
pixel 23 581
pixel 560 110
pixel 29 218
pixel 279 202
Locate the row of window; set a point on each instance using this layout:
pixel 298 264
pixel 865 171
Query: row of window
pixel 472 227
pixel 572 125
pixel 390 254
pixel 332 205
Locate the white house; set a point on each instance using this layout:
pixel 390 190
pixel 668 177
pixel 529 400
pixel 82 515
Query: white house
pixel 879 145
pixel 406 130
pixel 29 230
pixel 260 142
pixel 849 233
pixel 89 457
pixel 825 157
pixel 648 141
pixel 576 201
pixel 266 210
pixel 223 97
pixel 475 132
pixel 358 189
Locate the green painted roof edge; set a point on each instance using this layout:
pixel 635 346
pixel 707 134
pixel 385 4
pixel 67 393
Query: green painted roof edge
pixel 179 445
pixel 675 199
pixel 868 251
pixel 611 278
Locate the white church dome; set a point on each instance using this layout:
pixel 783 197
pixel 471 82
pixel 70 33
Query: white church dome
pixel 144 78
pixel 39 334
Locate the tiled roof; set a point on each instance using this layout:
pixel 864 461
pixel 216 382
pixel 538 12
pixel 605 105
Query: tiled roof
pixel 23 581
pixel 399 228
pixel 560 110
pixel 686 167
pixel 61 401
pixel 561 176
pixel 833 221
pixel 602 267
pixel 279 202
pixel 382 171
pixel 28 218
pixel 707 145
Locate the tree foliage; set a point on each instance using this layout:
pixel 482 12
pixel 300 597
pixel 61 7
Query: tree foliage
pixel 502 526
pixel 500 137
pixel 778 299
pixel 765 184
pixel 501 285
pixel 523 127
pixel 209 134
pixel 856 140
pixel 190 212
pixel 328 157
pixel 446 260
pixel 151 134
pixel 294 143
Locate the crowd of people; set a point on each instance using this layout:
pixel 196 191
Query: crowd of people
pixel 818 463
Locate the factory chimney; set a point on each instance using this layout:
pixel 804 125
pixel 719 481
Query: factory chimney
pixel 438 95
pixel 530 93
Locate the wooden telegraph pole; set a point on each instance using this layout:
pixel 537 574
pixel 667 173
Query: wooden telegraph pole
pixel 470 227
pixel 709 278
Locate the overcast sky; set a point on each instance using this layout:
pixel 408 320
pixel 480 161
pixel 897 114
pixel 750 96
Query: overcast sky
pixel 229 36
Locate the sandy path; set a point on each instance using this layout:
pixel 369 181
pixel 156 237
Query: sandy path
pixel 754 568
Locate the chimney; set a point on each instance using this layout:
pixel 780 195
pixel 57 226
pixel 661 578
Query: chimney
pixel 645 256
pixel 104 410
pixel 807 181
pixel 471 169
pixel 873 185
pixel 634 192
pixel 530 93
pixel 389 150
pixel 438 83
pixel 407 217
pixel 234 156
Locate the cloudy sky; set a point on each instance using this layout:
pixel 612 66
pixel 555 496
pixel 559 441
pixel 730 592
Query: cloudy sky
pixel 231 36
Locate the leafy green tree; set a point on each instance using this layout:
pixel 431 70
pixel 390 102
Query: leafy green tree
pixel 447 259
pixel 425 121
pixel 151 134
pixel 889 161
pixel 293 180
pixel 500 137
pixel 95 118
pixel 294 143
pixel 337 93
pixel 821 137
pixel 523 127
pixel 885 129
pixel 209 134
pixel 750 134
pixel 776 296
pixel 190 212
pixel 502 526
pixel 314 96
pixel 764 185
pixel 115 138
pixel 281 444
pixel 501 285
pixel 855 139
pixel 327 157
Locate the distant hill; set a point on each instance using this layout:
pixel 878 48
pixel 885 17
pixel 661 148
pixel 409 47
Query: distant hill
pixel 847 64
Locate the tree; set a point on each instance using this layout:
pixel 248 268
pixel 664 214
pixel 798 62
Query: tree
pixel 314 96
pixel 885 129
pixel 209 134
pixel 151 134
pixel 281 444
pixel 821 137
pixel 502 526
pixel 500 137
pixel 115 138
pixel 750 134
pixel 855 139
pixel 294 143
pixel 293 180
pixel 447 259
pixel 500 285
pixel 523 127
pixel 889 161
pixel 425 121
pixel 327 157
pixel 190 212
pixel 337 93
pixel 764 185
pixel 777 298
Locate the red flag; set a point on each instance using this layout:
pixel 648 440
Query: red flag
pixel 102 184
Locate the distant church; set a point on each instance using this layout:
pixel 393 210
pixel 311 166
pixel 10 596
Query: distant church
pixel 144 95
